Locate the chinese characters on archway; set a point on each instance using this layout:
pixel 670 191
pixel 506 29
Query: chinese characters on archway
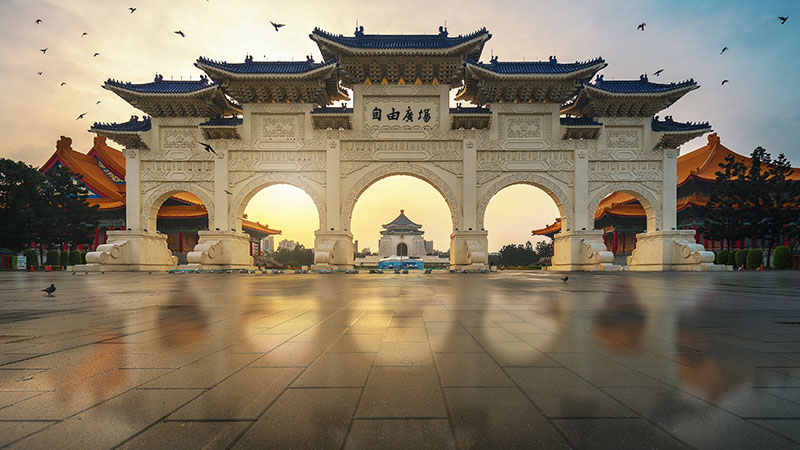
pixel 422 115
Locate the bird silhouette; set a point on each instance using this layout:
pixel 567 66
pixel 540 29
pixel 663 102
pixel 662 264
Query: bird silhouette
pixel 63 83
pixel 658 72
pixel 38 21
pixel 277 25
pixel 783 19
pixel 207 147
pixel 180 33
pixel 39 73
pixel 723 82
pixel 133 10
pixel 81 116
pixel 227 192
pixel 43 50
pixel 84 34
pixel 50 289
pixel 95 55
pixel 641 26
pixel 724 49
pixel 564 279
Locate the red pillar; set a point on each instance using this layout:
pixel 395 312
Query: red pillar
pixel 180 241
pixel 615 242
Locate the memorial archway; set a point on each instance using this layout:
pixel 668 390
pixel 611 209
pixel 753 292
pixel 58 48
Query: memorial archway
pixel 621 215
pixel 154 200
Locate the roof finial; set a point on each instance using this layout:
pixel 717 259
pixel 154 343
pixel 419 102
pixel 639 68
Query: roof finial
pixel 402 211
pixel 359 31
pixel 643 77
pixel 599 78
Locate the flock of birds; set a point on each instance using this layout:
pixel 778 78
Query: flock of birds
pixel 658 72
pixel 132 10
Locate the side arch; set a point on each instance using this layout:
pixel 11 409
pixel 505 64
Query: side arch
pixel 243 194
pixel 155 198
pixel 389 170
pixel 561 199
pixel 649 200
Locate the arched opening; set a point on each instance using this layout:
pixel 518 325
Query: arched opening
pixel 622 215
pixel 401 216
pixel 180 216
pixel 521 220
pixel 281 220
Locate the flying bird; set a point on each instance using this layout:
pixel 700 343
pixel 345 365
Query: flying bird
pixel 132 10
pixel 63 83
pixel 43 50
pixel 207 147
pixel 783 19
pixel 95 55
pixel 38 21
pixel 84 34
pixel 98 102
pixel 180 33
pixel 724 49
pixel 50 289
pixel 641 26
pixel 723 82
pixel 81 116
pixel 277 25
pixel 564 279
pixel 39 73
pixel 228 192
pixel 658 72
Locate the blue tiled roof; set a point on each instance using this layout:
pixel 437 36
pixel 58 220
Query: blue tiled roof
pixel 132 126
pixel 640 86
pixel 579 122
pixel 670 125
pixel 162 86
pixel 402 221
pixel 266 67
pixel 399 41
pixel 332 110
pixel 536 67
pixel 223 122
pixel 470 110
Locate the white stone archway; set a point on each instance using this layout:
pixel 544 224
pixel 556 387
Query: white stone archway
pixel 560 198
pixel 155 198
pixel 649 200
pixel 245 191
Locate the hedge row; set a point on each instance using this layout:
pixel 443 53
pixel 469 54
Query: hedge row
pixel 752 259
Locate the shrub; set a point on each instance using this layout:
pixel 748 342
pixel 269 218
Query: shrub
pixel 731 258
pixel 63 258
pixel 722 257
pixel 74 258
pixel 31 257
pixel 755 258
pixel 741 258
pixel 782 258
pixel 52 258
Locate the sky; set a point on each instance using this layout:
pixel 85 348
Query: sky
pixel 759 106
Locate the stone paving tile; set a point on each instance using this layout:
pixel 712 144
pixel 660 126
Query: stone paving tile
pixel 603 372
pixel 110 423
pixel 446 328
pixel 421 394
pixel 357 343
pixel 431 434
pixel 187 435
pixel 410 334
pixel 12 431
pixel 204 373
pixel 406 322
pixel 10 397
pixel 789 428
pixel 404 354
pixel 470 369
pixel 304 419
pixel 456 343
pixel 546 387
pixel 518 354
pixel 337 370
pixel 245 395
pixel 290 354
pixel 499 418
pixel 259 343
pixel 616 434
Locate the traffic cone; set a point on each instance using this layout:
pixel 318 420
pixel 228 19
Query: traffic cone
pixel 30 268
pixel 49 268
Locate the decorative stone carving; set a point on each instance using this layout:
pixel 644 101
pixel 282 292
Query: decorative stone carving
pixel 671 153
pixel 177 171
pixel 524 127
pixel 454 167
pixel 348 167
pixel 623 138
pixel 401 150
pixel 400 168
pixel 178 138
pixel 401 113
pixel 243 194
pixel 277 161
pixel 279 127
pixel 152 201
pixel 484 177
pixel 625 170
pixel 544 183
pixel 647 197
pixel 525 161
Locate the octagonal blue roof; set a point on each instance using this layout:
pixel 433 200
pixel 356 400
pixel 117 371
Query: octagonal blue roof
pixel 131 126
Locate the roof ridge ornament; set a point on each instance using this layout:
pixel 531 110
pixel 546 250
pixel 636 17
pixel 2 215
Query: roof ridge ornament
pixel 643 77
pixel 158 77
pixel 599 79
pixel 359 33
pixel 442 31
pixel 554 60
pixel 248 59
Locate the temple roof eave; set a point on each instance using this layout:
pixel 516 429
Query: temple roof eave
pixel 330 47
pixel 216 72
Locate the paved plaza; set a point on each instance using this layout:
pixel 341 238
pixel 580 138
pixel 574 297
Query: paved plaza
pixel 507 360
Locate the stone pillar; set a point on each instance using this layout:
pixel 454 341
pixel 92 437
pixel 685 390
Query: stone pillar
pixel 469 249
pixel 333 250
pixel 583 250
pixel 130 251
pixel 470 187
pixel 584 219
pixel 669 190
pixel 133 190
pixel 221 199
pixel 220 250
pixel 333 188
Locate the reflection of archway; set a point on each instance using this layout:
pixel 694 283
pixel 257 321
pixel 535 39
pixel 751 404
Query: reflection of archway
pixel 548 186
pixel 649 201
pixel 243 195
pixel 402 249
pixel 400 169
pixel 158 196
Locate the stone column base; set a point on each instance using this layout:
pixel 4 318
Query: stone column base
pixel 130 251
pixel 333 250
pixel 670 250
pixel 577 251
pixel 469 250
pixel 220 250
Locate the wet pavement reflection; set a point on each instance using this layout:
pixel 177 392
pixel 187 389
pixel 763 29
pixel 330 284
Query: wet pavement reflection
pixel 508 360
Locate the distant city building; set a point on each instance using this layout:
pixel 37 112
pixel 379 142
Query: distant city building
pixel 286 244
pixel 355 246
pixel 402 237
pixel 270 243
pixel 366 250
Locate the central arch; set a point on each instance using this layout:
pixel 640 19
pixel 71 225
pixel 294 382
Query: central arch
pixel 561 199
pixel 389 170
pixel 649 201
pixel 155 198
pixel 243 195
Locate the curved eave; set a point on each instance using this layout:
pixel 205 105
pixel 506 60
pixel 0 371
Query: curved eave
pixel 674 139
pixel 218 73
pixel 480 72
pixel 343 49
pixel 677 91
pixel 128 139
pixel 117 89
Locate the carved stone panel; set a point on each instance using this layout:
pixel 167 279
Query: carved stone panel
pixel 177 171
pixel 625 170
pixel 277 161
pixel 277 127
pixel 401 150
pixel 510 161
pixel 387 115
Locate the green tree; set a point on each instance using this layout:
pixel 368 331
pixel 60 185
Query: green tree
pixel 544 249
pixel 518 255
pixel 782 258
pixel 71 218
pixel 299 256
pixel 723 220
pixel 755 258
pixel 21 203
